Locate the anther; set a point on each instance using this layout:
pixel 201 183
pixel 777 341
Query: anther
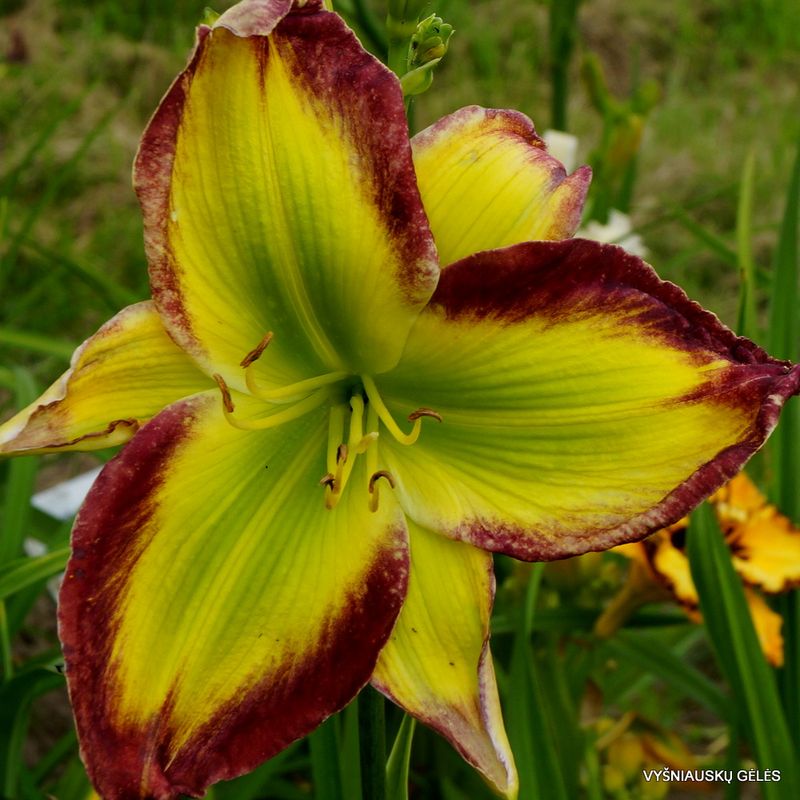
pixel 328 480
pixel 226 394
pixel 424 412
pixel 256 352
pixel 366 441
pixel 341 454
pixel 374 493
pixel 381 473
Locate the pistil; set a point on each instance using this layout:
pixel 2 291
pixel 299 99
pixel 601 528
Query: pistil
pixel 386 418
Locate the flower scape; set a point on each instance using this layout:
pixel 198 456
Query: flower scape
pixel 368 364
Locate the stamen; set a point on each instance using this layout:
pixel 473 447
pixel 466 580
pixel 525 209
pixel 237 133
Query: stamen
pixel 346 453
pixel 381 473
pixel 292 391
pixel 372 452
pixel 335 433
pixel 227 403
pixel 256 352
pixel 386 418
pixel 366 441
pixel 424 412
pixel 293 412
pixel 374 493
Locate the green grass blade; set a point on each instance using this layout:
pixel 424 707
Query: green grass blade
pixel 649 653
pixel 324 746
pixel 37 343
pixel 21 478
pixel 710 239
pixel 16 697
pixel 784 341
pixel 112 293
pixel 528 718
pixel 372 738
pixel 55 184
pixel 784 322
pixel 399 761
pixel 350 752
pixel 738 652
pixel 788 606
pixel 259 783
pixel 59 752
pixel 73 783
pixel 24 572
pixel 747 320
pixel 6 660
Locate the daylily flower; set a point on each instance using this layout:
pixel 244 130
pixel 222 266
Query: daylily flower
pixel 273 538
pixel 634 745
pixel 765 550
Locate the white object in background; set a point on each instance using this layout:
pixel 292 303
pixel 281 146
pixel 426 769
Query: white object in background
pixel 64 499
pixel 616 231
pixel 563 146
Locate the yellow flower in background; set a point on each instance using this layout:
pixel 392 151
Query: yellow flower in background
pixel 765 550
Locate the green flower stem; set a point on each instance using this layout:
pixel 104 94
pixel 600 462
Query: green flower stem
pixel 372 739
pixel 563 31
pixel 5 646
pixel 399 32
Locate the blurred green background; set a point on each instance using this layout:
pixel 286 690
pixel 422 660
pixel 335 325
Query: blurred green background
pixel 681 94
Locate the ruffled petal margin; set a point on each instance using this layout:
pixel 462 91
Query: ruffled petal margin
pixel 437 664
pixel 585 402
pixel 118 379
pixel 213 609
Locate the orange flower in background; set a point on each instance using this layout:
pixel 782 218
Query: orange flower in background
pixel 765 549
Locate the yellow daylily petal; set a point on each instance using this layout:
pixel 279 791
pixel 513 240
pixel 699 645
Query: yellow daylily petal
pixel 577 413
pixel 671 565
pixel 214 610
pixel 118 379
pixel 487 181
pixel 273 202
pixel 437 664
pixel 765 544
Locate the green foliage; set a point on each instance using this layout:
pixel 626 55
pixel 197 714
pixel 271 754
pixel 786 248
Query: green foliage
pixel 71 110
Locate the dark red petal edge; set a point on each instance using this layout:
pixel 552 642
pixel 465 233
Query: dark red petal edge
pixel 517 124
pixel 255 727
pixel 565 280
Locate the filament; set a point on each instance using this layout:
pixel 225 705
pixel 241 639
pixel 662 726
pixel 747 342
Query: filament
pixel 386 418
pixel 274 420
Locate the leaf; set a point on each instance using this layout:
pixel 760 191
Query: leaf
pixel 747 320
pixel 527 715
pixel 399 760
pixel 650 654
pixel 739 655
pixel 24 572
pixel 21 477
pixel 324 746
pixel 16 697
